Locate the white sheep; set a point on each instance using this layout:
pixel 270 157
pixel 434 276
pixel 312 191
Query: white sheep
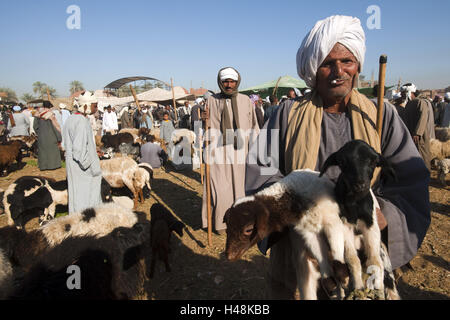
pixel 124 171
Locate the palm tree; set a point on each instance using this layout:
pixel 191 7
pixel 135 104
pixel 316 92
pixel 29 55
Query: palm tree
pixel 11 94
pixel 39 87
pixel 75 86
pixel 27 97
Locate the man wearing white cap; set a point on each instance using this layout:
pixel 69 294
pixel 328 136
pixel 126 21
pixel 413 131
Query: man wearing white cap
pixel 19 125
pixel 316 125
pixel 82 163
pixel 64 113
pixel 228 112
pixel 419 119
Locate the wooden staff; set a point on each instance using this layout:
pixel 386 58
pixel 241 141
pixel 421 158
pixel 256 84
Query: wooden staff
pixel 208 183
pixel 201 156
pixel 276 87
pixel 381 79
pixel 135 97
pixel 173 99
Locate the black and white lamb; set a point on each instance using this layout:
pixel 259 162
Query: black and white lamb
pixel 36 195
pixel 307 203
pixel 358 205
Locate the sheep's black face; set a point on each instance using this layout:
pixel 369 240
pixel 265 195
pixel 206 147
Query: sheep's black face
pixel 242 231
pixel 357 161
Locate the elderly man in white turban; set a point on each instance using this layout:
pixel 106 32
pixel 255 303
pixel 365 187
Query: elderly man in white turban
pixel 82 163
pixel 232 120
pixel 312 127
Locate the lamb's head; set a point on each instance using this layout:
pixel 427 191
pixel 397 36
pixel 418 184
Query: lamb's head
pixel 357 161
pixel 247 223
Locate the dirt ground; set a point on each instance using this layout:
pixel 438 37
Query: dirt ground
pixel 200 271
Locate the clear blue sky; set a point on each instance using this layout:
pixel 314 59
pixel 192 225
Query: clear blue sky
pixel 192 40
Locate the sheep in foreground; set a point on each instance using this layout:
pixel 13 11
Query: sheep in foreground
pixel 124 171
pixel 162 225
pixel 8 153
pixel 357 161
pixel 301 200
pixel 22 248
pixel 110 267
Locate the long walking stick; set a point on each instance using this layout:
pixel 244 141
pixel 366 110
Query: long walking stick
pixel 201 155
pixel 381 79
pixel 208 185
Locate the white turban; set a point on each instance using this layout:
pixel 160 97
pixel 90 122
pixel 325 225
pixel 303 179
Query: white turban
pixel 85 99
pixel 228 73
pixel 408 88
pixel 198 100
pixel 447 95
pixel 321 39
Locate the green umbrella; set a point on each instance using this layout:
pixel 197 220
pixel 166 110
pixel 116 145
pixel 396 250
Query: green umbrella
pixel 284 82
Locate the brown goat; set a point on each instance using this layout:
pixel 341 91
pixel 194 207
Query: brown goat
pixel 162 225
pixel 9 153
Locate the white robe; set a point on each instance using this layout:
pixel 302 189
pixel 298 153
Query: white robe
pixel 84 175
pixel 109 122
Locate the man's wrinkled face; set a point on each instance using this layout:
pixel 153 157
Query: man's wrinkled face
pixel 336 73
pixel 229 85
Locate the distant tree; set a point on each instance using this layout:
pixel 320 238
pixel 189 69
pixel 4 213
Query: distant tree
pixel 38 87
pixel 124 91
pixel 362 77
pixel 146 86
pixel 75 86
pixel 27 97
pixel 447 89
pixel 11 94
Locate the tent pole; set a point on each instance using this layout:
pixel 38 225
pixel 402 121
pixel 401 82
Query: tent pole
pixel 173 98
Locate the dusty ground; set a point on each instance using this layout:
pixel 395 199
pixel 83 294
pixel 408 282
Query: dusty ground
pixel 200 271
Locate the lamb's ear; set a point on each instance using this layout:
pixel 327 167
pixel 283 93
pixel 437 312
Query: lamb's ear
pixel 226 215
pixel 387 171
pixel 331 161
pixel 262 223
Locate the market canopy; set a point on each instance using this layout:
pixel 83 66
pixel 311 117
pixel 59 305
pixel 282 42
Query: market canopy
pixel 123 81
pixel 283 82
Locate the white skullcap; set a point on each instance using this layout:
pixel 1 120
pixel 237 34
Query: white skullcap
pixel 408 88
pixel 447 95
pixel 321 39
pixel 228 73
pixel 62 106
pixel 198 100
pixel 17 108
pixel 307 91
